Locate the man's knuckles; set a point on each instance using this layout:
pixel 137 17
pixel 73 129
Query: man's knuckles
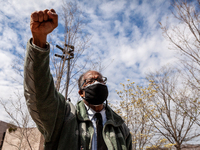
pixel 41 16
pixel 34 16
pixel 52 15
pixel 46 10
pixel 46 17
pixel 52 10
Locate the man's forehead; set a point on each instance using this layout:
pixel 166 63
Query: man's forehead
pixel 92 73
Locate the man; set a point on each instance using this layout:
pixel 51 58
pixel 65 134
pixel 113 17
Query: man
pixel 89 126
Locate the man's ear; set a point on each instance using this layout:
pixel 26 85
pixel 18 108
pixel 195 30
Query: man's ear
pixel 80 93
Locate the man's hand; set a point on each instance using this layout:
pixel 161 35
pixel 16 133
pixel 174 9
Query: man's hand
pixel 42 23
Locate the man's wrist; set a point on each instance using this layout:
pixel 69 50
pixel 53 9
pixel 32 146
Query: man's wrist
pixel 40 40
pixel 39 48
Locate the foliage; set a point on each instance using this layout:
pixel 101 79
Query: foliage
pixel 152 111
pixel 132 111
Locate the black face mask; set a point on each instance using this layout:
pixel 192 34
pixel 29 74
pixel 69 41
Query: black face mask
pixel 96 93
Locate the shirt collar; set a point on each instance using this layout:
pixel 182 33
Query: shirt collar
pixel 92 112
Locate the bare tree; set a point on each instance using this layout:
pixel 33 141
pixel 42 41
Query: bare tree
pixel 167 117
pixel 184 37
pixel 73 37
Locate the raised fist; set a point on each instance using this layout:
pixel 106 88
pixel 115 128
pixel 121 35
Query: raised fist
pixel 42 23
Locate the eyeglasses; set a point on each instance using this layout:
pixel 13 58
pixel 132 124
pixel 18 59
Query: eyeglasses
pixel 92 80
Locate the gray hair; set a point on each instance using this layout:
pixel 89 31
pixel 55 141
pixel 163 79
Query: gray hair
pixel 80 80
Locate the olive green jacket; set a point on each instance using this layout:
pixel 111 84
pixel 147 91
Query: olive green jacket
pixel 64 127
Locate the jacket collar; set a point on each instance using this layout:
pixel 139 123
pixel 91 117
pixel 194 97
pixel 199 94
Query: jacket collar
pixel 111 116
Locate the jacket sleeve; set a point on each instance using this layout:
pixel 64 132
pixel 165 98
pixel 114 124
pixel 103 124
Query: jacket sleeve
pixel 45 104
pixel 128 136
pixel 129 142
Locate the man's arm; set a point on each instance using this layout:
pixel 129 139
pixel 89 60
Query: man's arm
pixel 45 104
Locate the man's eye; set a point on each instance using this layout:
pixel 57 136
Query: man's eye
pixel 89 81
pixel 100 80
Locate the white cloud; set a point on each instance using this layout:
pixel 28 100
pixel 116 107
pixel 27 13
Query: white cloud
pixel 137 48
pixel 118 53
pixel 111 8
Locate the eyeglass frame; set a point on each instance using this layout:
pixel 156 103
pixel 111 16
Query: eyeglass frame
pixel 104 80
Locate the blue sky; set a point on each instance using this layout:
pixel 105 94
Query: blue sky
pixel 125 34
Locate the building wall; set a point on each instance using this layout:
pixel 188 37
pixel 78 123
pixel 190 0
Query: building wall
pixel 3 127
pixel 23 139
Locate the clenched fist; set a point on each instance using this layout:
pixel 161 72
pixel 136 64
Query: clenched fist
pixel 42 23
